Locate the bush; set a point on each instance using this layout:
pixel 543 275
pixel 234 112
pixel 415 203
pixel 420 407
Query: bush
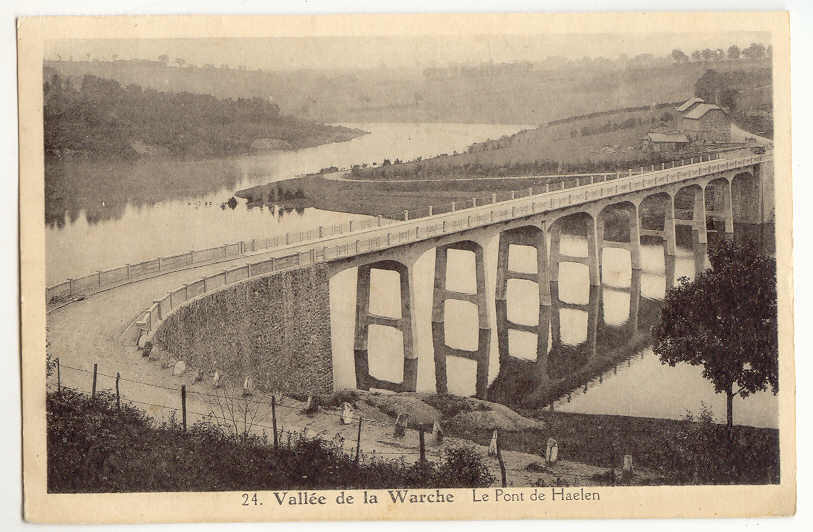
pixel 94 447
pixel 462 467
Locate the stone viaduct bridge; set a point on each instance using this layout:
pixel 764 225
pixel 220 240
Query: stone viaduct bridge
pixel 705 195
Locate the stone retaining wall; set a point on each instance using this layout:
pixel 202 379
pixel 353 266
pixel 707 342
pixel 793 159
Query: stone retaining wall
pixel 275 329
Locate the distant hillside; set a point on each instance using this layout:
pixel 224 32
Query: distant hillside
pixel 527 95
pixel 98 118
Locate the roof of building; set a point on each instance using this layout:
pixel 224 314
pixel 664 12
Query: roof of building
pixel 702 109
pixel 685 106
pixel 667 137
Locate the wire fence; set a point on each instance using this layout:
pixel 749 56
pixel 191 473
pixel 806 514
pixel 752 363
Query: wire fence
pixel 281 437
pixel 274 401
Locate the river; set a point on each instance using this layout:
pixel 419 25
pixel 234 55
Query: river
pixel 101 215
pixel 597 361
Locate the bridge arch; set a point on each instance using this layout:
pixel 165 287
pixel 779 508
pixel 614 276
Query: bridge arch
pixel 403 323
pixel 690 210
pixel 717 195
pixel 624 234
pixel 441 296
pixel 580 220
pixel 746 198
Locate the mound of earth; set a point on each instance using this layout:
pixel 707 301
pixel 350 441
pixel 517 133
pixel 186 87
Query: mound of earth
pixel 463 413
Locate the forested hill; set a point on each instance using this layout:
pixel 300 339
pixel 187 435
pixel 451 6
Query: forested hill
pixel 489 93
pixel 98 118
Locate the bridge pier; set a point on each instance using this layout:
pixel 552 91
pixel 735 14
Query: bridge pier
pixel 634 244
pixel 669 271
pixel 635 302
pixel 405 324
pixel 593 310
pixel 699 232
pixel 700 251
pixel 521 374
pixel 593 251
pixel 441 294
pixel 592 258
pixel 669 238
pixel 726 213
pixel 524 236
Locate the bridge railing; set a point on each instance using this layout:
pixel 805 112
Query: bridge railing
pixel 374 238
pixel 105 279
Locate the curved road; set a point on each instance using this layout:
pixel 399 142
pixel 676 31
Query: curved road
pixel 99 330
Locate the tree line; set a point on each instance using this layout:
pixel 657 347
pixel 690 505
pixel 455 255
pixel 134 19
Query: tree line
pixel 754 51
pixel 100 118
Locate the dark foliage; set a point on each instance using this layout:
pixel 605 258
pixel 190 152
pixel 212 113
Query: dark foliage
pixel 95 447
pixel 103 119
pixel 693 451
pixel 725 320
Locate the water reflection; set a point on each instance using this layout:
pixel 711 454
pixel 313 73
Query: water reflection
pixel 104 214
pixel 566 355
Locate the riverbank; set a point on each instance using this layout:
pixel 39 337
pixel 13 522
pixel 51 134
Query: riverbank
pixel 665 452
pixel 102 120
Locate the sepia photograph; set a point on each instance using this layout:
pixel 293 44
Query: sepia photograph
pixel 420 267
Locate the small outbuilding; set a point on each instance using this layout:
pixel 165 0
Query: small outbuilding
pixel 706 122
pixel 660 141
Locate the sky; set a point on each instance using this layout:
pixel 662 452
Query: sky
pixel 332 53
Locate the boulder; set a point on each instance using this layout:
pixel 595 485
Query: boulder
pixel 419 412
pixel 168 362
pixel 179 368
pixel 157 353
pixel 217 380
pixel 496 417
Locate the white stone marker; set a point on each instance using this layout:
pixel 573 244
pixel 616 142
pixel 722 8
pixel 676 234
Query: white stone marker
pixel 437 432
pixel 179 368
pixel 248 386
pixel 552 451
pixel 400 425
pixel 492 447
pixel 347 413
pixel 626 470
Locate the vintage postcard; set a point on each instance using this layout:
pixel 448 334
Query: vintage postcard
pixel 370 267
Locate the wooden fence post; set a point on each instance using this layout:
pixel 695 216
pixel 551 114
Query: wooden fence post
pixel 358 442
pixel 502 464
pixel 93 389
pixel 183 405
pixel 118 397
pixel 274 420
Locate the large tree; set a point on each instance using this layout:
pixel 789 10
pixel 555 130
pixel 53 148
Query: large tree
pixel 725 321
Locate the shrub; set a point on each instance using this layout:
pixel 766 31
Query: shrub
pixel 95 447
pixel 463 467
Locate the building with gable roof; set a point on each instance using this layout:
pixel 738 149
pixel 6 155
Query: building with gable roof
pixel 706 122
